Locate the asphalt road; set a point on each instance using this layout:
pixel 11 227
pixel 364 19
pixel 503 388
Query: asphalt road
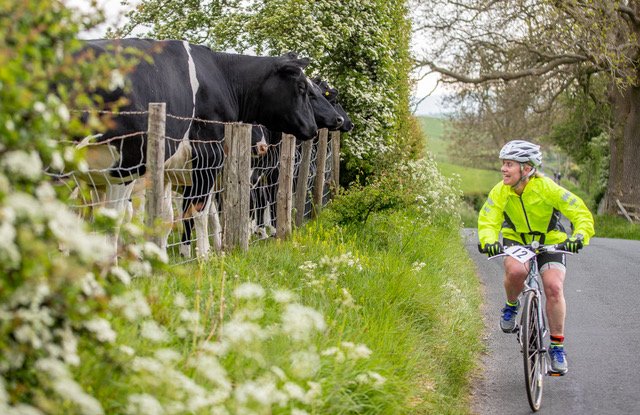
pixel 602 290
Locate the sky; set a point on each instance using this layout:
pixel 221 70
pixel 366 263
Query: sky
pixel 114 11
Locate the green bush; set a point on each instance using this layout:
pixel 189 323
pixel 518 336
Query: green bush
pixel 416 184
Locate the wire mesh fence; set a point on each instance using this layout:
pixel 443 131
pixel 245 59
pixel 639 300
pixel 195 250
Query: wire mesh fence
pixel 208 194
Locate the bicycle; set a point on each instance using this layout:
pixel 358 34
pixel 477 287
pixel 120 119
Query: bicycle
pixel 532 329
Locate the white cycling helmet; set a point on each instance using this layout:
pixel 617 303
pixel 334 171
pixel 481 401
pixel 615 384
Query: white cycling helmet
pixel 522 151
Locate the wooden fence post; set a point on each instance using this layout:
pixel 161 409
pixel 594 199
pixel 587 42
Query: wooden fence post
pixel 237 184
pixel 154 180
pixel 303 177
pixel 321 161
pixel 335 169
pixel 285 186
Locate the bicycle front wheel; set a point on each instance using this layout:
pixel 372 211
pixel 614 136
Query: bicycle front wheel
pixel 531 335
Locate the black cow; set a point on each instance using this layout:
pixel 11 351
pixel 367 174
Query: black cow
pixel 266 172
pixel 210 86
pixel 331 94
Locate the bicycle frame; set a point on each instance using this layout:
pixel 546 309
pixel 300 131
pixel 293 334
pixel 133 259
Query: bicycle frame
pixel 533 284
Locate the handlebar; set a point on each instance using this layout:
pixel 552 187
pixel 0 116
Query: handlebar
pixel 536 247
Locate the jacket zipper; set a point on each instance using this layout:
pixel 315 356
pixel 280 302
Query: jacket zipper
pixel 525 215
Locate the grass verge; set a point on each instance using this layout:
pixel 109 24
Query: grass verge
pixel 400 305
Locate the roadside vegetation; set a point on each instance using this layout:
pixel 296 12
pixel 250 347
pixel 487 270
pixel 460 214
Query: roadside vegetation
pixel 475 183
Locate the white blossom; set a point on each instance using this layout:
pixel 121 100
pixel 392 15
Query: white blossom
pixel 20 164
pixel 249 291
pixel 143 404
pixel 151 330
pixel 304 364
pixel 301 322
pixel 101 328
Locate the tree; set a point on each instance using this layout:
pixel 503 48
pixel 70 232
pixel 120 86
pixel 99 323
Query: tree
pixel 361 48
pixel 563 44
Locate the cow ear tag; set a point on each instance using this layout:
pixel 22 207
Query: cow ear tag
pixel 326 93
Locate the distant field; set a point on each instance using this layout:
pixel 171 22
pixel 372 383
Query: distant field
pixel 472 181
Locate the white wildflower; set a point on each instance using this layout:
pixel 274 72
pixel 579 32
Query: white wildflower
pixel 39 107
pixel 4 396
pixel 180 300
pixel 20 164
pixel 305 364
pixel 296 411
pixel 283 296
pixel 9 253
pixel 249 291
pixel 143 404
pixel 147 364
pixel 151 330
pixel 101 328
pixel 417 266
pixel 91 287
pixel 132 304
pixel 127 350
pixel 121 274
pixel 116 81
pixel 295 391
pixel 242 332
pixel 334 352
pixel 356 352
pixel 169 356
pixel 153 251
pixel 300 322
pixel 263 392
pixel 371 378
pixel 192 317
pixel 210 368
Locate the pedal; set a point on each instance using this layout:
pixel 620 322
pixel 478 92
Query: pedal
pixel 555 374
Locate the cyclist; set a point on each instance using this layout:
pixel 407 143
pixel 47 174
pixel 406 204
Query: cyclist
pixel 526 206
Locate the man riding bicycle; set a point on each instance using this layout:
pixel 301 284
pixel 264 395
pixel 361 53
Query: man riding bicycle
pixel 526 206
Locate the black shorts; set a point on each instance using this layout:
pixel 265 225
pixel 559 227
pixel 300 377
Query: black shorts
pixel 543 258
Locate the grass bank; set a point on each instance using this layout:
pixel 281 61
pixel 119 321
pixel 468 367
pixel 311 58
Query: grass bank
pixel 399 328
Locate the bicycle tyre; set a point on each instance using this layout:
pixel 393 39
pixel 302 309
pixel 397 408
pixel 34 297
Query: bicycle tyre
pixel 534 363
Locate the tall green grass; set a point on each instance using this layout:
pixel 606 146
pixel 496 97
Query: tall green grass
pixel 396 286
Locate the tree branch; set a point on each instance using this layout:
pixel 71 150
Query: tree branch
pixel 628 11
pixel 508 76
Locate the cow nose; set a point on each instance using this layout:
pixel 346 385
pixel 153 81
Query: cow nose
pixel 340 121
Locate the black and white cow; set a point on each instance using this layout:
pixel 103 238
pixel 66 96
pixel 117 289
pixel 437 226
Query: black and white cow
pixel 325 116
pixel 198 86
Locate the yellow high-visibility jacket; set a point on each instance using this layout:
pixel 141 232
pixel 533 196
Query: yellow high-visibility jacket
pixel 533 214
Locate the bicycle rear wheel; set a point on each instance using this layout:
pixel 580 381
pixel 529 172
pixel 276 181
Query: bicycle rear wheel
pixel 534 364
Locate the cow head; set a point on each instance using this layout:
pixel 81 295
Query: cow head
pixel 284 98
pixel 331 94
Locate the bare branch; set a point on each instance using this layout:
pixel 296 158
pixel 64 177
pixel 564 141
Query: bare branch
pixel 508 76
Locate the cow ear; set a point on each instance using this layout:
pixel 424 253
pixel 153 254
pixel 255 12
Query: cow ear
pixel 293 66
